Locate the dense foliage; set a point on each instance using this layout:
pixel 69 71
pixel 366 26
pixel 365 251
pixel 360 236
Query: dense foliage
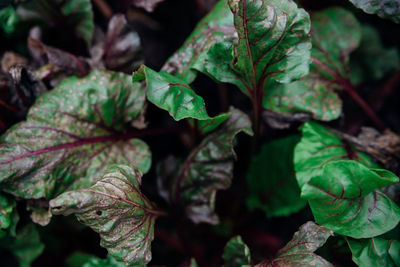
pixel 248 148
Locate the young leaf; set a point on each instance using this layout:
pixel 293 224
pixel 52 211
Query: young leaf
pixel 271 179
pixel 26 246
pixel 122 48
pixel 299 250
pixel 236 253
pixel 387 9
pixel 116 209
pixel 213 28
pixel 8 216
pixel 76 14
pixel 171 94
pixel 71 134
pixel 375 252
pixel 273 44
pixel 319 146
pixel 207 169
pixel 345 199
pixel 148 5
pixel 372 60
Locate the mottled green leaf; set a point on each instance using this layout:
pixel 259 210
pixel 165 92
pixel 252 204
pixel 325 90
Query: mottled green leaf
pixel 236 253
pixel 312 94
pixel 273 44
pixel 26 246
pixel 387 9
pixel 335 34
pixel 271 179
pixel 208 125
pixel 171 94
pixel 8 216
pixel 76 14
pixel 206 170
pixel 8 19
pixel 115 208
pixel 375 252
pixel 71 134
pixel 372 60
pixel 299 250
pixel 215 27
pixel 345 199
pixel 319 146
pixel 79 259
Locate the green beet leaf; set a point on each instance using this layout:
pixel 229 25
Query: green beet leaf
pixel 236 253
pixel 25 246
pixel 319 146
pixel 215 27
pixel 271 179
pixel 77 14
pixel 300 250
pixel 345 199
pixel 171 94
pixel 71 134
pixel 8 216
pixel 207 169
pixel 312 94
pixel 87 260
pixel 115 208
pixel 273 44
pixel 8 19
pixel 387 9
pixel 375 252
pixel 372 60
pixel 208 125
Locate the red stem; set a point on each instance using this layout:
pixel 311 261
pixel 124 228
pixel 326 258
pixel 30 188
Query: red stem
pixel 353 94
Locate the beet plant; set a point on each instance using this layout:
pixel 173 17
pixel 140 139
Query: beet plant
pixel 266 136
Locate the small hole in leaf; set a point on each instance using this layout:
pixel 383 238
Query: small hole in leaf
pixel 99 212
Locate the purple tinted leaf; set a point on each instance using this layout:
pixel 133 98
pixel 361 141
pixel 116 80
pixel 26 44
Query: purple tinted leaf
pixel 122 49
pixel 71 134
pixel 206 170
pixel 116 209
pixel 148 5
pixel 299 250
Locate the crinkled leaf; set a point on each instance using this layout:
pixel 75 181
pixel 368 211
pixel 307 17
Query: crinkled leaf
pixel 171 94
pixel 206 170
pixel 148 5
pixel 76 14
pixel 215 27
pixel 71 134
pixel 122 48
pixel 273 44
pixel 8 19
pixel 208 125
pixel 312 94
pixel 372 60
pixel 345 199
pixel 40 215
pixel 115 208
pixel 8 216
pixel 299 250
pixel 272 181
pixel 319 146
pixel 236 253
pixel 387 9
pixel 26 246
pixel 375 252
